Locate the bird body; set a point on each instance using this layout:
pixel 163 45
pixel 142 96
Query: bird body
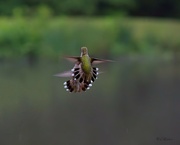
pixel 86 64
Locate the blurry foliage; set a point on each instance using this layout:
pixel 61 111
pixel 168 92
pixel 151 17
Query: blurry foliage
pixel 155 8
pixel 44 36
pixel 124 43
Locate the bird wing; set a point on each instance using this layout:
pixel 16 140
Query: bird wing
pixel 97 60
pixel 73 59
pixel 64 74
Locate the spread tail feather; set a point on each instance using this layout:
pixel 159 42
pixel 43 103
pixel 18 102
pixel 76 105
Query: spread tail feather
pixel 79 81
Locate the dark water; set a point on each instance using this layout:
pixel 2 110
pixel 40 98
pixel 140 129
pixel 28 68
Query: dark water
pixel 135 102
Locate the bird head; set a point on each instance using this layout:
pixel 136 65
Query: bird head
pixel 84 51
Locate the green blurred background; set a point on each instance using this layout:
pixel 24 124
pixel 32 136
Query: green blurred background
pixel 136 100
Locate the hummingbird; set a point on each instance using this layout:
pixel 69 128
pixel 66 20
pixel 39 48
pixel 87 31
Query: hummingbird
pixel 83 74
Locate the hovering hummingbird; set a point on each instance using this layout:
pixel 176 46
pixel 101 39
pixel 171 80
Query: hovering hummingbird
pixel 83 74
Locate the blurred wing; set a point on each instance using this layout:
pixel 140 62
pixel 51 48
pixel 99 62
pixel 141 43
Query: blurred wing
pixel 97 61
pixel 73 58
pixel 64 74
